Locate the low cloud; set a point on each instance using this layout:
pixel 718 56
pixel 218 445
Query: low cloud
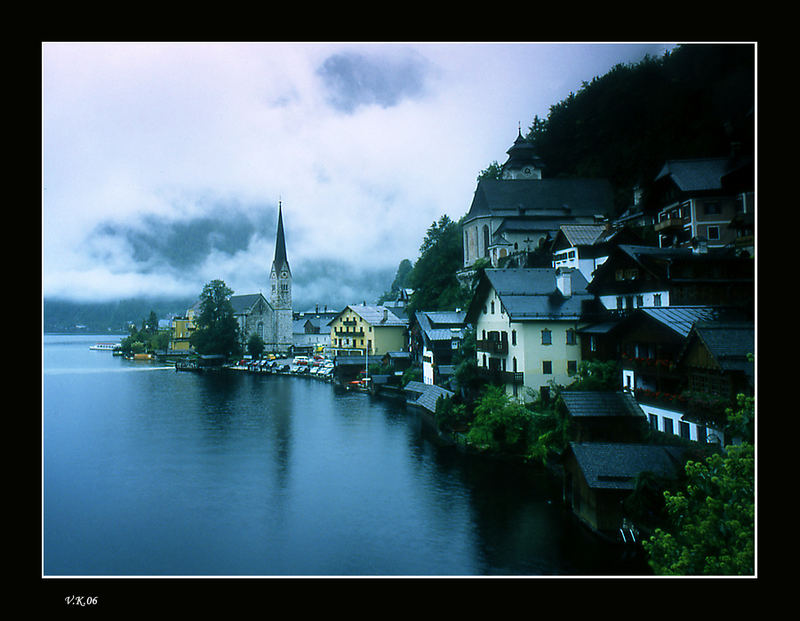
pixel 353 80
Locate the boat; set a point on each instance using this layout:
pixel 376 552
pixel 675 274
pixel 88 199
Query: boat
pixel 104 346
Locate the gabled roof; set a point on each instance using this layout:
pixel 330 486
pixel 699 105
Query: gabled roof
pixel 616 466
pixel 530 294
pixel 583 234
pixel 593 403
pixel 243 304
pixel 695 175
pixel 374 315
pixel 554 198
pixel 441 325
pixel 728 343
pixel 425 395
pixel 680 319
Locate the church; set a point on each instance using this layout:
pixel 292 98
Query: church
pixel 269 319
pixel 522 210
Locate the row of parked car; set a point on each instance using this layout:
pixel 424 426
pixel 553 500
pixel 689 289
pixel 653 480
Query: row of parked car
pixel 316 366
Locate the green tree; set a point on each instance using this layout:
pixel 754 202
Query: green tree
pixel 434 277
pixel 596 375
pixel 711 527
pixel 255 346
pixel 492 171
pixel 217 330
pixel 501 425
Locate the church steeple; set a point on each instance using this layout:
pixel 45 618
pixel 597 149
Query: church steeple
pixel 280 275
pixel 280 261
pixel 523 161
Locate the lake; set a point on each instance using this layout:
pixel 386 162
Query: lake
pixel 152 472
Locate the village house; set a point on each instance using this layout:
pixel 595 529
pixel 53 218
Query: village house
pixel 586 246
pixel 598 477
pixel 650 343
pixel 604 416
pixel 369 330
pixel 642 276
pixel 522 211
pixel 310 331
pixel 435 337
pixel 526 322
pixel 717 362
pixel 698 199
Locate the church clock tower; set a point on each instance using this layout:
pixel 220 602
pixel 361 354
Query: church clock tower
pixel 281 290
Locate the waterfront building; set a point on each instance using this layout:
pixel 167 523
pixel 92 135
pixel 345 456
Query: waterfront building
pixel 522 210
pixel 366 329
pixel 526 322
pixel 434 338
pixel 182 328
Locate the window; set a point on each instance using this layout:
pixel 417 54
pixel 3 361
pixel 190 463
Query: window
pixel 547 367
pixel 592 343
pixel 514 364
pixel 492 307
pixel 653 421
pixel 572 367
pixel 513 337
pixel 712 208
pixel 713 232
pixel 657 299
pixel 667 425
pixel 571 338
pixel 684 429
pixel 547 337
pixel 640 300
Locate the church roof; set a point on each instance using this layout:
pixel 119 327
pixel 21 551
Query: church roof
pixel 243 304
pixel 280 245
pixel 562 199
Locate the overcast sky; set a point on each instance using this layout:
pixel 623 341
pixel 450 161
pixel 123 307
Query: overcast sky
pixel 163 163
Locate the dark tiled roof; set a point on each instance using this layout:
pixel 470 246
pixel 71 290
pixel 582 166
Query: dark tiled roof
pixel 695 175
pixel 565 198
pixel 680 319
pixel 243 303
pixel 425 395
pixel 729 343
pixel 590 403
pixel 531 293
pixel 441 325
pixel 616 466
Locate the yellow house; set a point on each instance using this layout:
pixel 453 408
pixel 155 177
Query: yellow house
pixel 367 328
pixel 182 328
pixel 526 323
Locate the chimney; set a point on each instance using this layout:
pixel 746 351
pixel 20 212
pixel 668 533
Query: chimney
pixel 385 315
pixel 564 281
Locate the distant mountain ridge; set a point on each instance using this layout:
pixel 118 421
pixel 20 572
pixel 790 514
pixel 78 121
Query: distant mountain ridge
pixel 107 317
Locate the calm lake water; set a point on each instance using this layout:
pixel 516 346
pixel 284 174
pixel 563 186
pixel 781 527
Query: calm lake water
pixel 150 472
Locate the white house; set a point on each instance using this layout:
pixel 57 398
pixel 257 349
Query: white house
pixel 526 322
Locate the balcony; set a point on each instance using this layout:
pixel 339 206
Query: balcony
pixel 499 348
pixel 500 377
pixel 669 224
pixel 349 334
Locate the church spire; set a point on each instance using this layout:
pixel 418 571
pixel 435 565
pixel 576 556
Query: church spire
pixel 280 244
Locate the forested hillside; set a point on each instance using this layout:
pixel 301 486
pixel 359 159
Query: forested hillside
pixel 697 101
pixel 106 317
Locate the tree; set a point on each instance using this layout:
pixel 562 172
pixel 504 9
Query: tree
pixel 255 346
pixel 217 330
pixel 711 527
pixel 435 274
pixel 501 425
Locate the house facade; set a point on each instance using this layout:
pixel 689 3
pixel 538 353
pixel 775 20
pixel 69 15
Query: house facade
pixel 368 329
pixel 695 202
pixel 526 322
pixel 434 339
